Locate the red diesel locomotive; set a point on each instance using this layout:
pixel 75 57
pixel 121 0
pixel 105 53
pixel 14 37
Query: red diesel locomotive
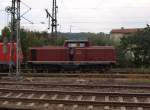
pixel 74 55
pixel 6 58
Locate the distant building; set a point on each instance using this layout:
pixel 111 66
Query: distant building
pixel 116 34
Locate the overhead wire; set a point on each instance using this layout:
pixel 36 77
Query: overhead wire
pixel 74 18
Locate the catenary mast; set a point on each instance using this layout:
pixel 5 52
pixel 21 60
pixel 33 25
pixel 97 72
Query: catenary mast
pixel 53 18
pixel 15 35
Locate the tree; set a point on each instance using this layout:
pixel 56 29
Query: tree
pixel 137 44
pixel 5 30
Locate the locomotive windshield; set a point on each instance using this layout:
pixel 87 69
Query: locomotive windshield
pixel 74 44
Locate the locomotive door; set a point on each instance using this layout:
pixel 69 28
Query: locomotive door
pixel 33 55
pixel 71 54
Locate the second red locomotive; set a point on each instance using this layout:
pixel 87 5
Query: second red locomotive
pixel 7 58
pixel 74 55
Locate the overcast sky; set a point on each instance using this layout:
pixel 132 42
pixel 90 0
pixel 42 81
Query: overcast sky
pixel 83 15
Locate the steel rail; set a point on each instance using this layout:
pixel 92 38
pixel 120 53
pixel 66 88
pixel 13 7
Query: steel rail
pixel 77 85
pixel 82 75
pixel 74 92
pixel 72 102
pixel 88 75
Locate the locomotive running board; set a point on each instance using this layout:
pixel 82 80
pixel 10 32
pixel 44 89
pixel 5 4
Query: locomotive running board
pixel 72 62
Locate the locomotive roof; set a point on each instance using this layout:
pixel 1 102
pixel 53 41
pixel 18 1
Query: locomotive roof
pixel 76 41
pixel 92 47
pixel 99 47
pixel 48 47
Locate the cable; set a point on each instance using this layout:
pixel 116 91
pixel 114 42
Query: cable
pixel 25 4
pixel 27 20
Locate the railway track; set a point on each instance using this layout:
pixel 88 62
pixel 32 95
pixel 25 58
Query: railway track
pixel 81 75
pixel 112 70
pixel 29 95
pixel 47 84
pixel 45 99
pixel 88 86
pixel 89 75
pixel 76 87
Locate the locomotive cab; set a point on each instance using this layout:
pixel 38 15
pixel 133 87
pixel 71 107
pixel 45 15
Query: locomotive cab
pixel 72 44
pixel 76 43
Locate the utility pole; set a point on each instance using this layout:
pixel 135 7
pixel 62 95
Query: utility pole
pixel 15 36
pixel 53 18
pixel 18 39
pixel 13 28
